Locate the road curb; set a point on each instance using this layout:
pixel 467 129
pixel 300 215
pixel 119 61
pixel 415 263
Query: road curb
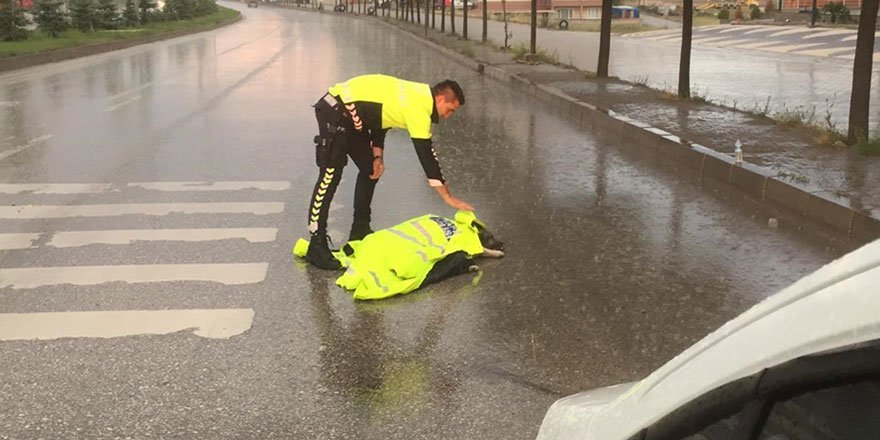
pixel 25 61
pixel 798 205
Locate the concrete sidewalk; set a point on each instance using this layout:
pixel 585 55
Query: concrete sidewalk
pixel 788 176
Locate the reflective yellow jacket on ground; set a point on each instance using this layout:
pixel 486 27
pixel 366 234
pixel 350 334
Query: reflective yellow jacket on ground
pixel 396 260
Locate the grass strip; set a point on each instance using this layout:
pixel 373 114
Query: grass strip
pixel 39 42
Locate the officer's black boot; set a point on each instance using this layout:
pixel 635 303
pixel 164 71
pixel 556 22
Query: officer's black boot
pixel 359 230
pixel 319 253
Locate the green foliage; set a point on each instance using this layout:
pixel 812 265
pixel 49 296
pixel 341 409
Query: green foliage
pixel 130 15
pixel 13 22
pixel 49 17
pixel 180 9
pixel 83 14
pixel 520 50
pixel 868 147
pixel 145 6
pixel 724 14
pixel 838 11
pixel 189 9
pixel 754 12
pixel 107 17
pixel 206 7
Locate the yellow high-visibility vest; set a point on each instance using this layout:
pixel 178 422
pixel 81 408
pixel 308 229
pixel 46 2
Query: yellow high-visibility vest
pixel 396 260
pixel 405 104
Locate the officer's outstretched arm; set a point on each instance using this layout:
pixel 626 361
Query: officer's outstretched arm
pixel 451 200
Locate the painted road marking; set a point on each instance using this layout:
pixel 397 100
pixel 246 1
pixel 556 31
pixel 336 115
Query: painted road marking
pixel 28 144
pixel 729 43
pixel 18 241
pixel 130 91
pixel 123 103
pixel 212 186
pixel 830 33
pixel 761 29
pixel 229 274
pixel 60 211
pixel 670 34
pixel 731 29
pixel 207 323
pixel 708 40
pixel 756 45
pixel 55 188
pixel 825 52
pixel 9 104
pixel 96 188
pixel 792 32
pixel 790 48
pixel 84 238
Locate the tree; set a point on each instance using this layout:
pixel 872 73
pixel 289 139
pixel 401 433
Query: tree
pixel 604 40
pixel 208 7
pixel 754 12
pixel 507 34
pixel 145 6
pixel 82 15
pixel 130 14
pixel 49 17
pixel 838 11
pixel 861 83
pixel 107 15
pixel 684 64
pixel 13 22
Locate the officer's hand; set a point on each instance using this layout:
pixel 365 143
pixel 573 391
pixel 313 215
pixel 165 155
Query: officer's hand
pixel 378 168
pixel 458 203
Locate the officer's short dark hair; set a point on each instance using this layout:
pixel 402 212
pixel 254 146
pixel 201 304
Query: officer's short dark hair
pixel 450 89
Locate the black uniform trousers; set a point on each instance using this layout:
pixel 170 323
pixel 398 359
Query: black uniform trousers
pixel 335 124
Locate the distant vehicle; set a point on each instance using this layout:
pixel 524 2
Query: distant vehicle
pixel 802 364
pixel 253 4
pixel 459 4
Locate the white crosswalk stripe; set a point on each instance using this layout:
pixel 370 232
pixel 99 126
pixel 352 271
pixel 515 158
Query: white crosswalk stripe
pixel 159 209
pixel 22 211
pixel 818 42
pixel 210 323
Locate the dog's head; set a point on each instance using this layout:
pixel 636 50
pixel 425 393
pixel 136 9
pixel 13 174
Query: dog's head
pixel 492 247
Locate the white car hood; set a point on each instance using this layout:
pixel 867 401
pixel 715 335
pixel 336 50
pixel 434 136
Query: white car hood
pixel 834 307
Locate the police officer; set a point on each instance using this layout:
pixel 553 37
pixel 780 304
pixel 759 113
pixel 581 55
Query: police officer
pixel 353 118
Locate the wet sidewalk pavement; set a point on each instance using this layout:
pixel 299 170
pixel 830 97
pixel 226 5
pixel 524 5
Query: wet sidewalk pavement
pixel 818 178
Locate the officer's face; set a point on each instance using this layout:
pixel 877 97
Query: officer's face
pixel 446 108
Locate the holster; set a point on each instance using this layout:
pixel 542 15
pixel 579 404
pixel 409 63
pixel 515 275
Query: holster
pixel 332 128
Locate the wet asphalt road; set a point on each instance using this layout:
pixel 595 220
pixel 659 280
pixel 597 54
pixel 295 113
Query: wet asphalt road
pixel 614 266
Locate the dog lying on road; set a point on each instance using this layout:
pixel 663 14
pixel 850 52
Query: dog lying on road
pixel 412 254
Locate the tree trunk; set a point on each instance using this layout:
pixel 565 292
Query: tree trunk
pixel 533 33
pixel 464 23
pixel 604 40
pixel 485 22
pixel 443 16
pixel 452 15
pixel 861 83
pixel 684 65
